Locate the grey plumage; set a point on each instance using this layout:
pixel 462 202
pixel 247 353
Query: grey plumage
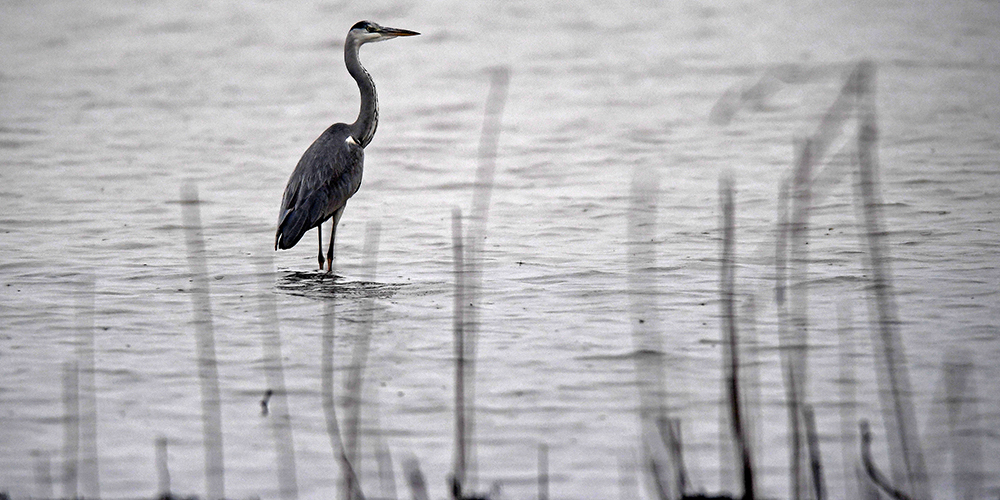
pixel 330 171
pixel 327 175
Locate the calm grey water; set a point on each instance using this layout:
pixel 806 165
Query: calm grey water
pixel 108 108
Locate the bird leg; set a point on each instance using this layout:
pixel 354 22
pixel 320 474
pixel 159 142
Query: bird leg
pixel 333 236
pixel 319 229
pixel 329 248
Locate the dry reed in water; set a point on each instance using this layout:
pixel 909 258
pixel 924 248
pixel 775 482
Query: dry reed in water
pixel 208 374
pixel 71 427
pixel 276 403
pixel 909 471
pixel 352 490
pixel 89 470
pixel 730 336
pixel 359 357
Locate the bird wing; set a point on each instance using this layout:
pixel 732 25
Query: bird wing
pixel 327 175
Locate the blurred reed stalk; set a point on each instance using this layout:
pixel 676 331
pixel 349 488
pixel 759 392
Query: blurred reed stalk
pixel 815 457
pixel 43 474
pixel 848 399
pixel 665 477
pixel 208 374
pixel 772 80
pixel 798 311
pixel 730 336
pixel 909 470
pixel 162 469
pixel 786 346
pixel 792 264
pixel 543 471
pixel 351 490
pixel 470 274
pixel 458 327
pixel 387 477
pixel 359 357
pixel 750 366
pixel 89 471
pixel 80 473
pixel 276 405
pixel 961 403
pixel 415 478
pixel 627 489
pixel 71 428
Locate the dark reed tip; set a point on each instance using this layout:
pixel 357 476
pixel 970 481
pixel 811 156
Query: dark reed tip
pixel 263 402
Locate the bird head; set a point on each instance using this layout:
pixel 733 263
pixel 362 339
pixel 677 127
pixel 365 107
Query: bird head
pixel 367 31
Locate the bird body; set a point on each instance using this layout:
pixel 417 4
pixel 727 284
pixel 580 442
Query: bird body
pixel 330 170
pixel 327 175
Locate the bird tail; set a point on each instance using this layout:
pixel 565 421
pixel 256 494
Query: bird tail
pixel 296 221
pixel 291 227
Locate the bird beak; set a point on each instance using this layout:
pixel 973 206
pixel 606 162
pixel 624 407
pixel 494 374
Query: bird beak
pixel 393 32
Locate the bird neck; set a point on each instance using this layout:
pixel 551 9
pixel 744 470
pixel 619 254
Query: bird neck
pixel 363 129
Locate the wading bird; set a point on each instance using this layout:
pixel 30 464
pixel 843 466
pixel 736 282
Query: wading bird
pixel 330 170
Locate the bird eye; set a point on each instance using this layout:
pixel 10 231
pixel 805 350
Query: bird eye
pixel 370 28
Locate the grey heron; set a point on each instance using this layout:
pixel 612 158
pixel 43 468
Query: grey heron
pixel 330 170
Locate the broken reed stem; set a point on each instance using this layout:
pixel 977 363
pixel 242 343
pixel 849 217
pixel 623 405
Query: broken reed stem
pixel 280 419
pixel 730 337
pixel 873 473
pixel 208 374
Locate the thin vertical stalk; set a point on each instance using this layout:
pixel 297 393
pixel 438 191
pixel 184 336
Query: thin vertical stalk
pixel 90 484
pixel 162 468
pixel 787 346
pixel 730 336
pixel 71 428
pixel 798 255
pixel 646 340
pixel 280 419
pixel 909 471
pixel 359 357
pixel 489 141
pixel 676 444
pixel 43 474
pixel 815 458
pixel 415 479
pixel 458 327
pixel 351 490
pixel 543 471
pixel 963 414
pixel 847 396
pixel 208 374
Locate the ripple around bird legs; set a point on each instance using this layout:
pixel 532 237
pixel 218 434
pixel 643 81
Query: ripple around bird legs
pixel 322 285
